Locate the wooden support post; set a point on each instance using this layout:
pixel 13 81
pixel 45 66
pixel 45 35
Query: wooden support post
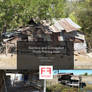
pixel 6 49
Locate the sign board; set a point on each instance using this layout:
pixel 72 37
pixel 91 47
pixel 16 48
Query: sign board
pixel 45 72
pixel 30 55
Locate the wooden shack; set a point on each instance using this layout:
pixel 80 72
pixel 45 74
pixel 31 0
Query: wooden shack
pixel 65 29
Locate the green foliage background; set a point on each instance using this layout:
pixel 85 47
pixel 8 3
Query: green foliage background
pixel 16 13
pixel 81 13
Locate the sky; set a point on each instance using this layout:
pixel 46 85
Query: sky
pixel 75 72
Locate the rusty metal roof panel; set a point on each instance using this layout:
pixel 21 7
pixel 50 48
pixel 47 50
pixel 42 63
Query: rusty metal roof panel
pixel 72 23
pixel 63 24
pixel 56 24
pixel 69 25
pixel 54 29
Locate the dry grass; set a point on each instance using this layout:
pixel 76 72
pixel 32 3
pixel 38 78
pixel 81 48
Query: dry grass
pixel 8 61
pixel 88 87
pixel 82 62
pixel 61 88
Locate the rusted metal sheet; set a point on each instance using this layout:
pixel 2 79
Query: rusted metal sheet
pixel 54 29
pixel 56 24
pixel 64 24
pixel 72 23
pixel 67 25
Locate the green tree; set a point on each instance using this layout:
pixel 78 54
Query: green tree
pixel 84 17
pixel 86 74
pixel 81 13
pixel 15 13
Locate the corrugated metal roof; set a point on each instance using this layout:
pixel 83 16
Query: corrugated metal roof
pixel 64 24
pixel 56 24
pixel 54 29
pixel 68 25
pixel 73 23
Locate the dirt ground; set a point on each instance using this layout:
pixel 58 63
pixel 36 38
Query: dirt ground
pixel 8 61
pixel 83 61
pixel 19 87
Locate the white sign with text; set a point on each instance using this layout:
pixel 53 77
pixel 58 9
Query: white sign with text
pixel 45 72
